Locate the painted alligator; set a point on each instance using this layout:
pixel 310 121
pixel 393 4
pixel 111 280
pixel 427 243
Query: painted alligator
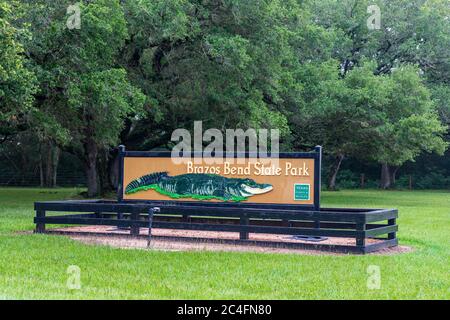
pixel 198 186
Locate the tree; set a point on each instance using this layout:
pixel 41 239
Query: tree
pixel 440 94
pixel 228 63
pixel 17 82
pixel 416 33
pixel 84 96
pixel 99 103
pixel 343 113
pixel 347 20
pixel 413 33
pixel 312 69
pixel 410 126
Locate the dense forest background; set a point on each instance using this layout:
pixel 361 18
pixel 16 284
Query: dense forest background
pixel 78 79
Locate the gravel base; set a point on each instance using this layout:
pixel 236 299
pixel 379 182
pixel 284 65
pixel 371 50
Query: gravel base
pixel 164 239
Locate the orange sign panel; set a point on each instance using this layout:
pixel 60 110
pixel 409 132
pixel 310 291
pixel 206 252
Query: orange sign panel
pixel 284 181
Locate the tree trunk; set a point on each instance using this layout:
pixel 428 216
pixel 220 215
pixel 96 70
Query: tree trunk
pixel 48 165
pixel 108 170
pixel 334 172
pixel 114 170
pixel 106 162
pixel 388 176
pixel 385 181
pixel 41 172
pixel 56 154
pixel 393 172
pixel 91 153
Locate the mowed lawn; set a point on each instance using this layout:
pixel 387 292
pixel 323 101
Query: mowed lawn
pixel 35 266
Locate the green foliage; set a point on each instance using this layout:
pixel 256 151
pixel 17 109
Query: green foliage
pixel 82 94
pixel 390 119
pixel 435 179
pixel 84 97
pixel 228 63
pixel 419 33
pixel 348 179
pixel 440 94
pixel 136 70
pixel 411 124
pixel 347 19
pixel 343 114
pixel 17 83
pixel 100 102
pixel 415 32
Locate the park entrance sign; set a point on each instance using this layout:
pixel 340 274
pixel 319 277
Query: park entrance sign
pixel 290 179
pixel 242 194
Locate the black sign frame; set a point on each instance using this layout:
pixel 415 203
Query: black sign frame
pixel 316 155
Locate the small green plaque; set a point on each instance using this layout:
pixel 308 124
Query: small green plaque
pixel 302 191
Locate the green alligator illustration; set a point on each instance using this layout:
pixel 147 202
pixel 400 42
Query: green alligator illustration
pixel 198 186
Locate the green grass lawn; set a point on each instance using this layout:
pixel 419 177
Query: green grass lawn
pixel 35 266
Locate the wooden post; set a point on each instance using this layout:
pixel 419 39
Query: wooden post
pixel 134 229
pixel 40 227
pixel 392 222
pixel 317 224
pixel 151 212
pixel 317 177
pixel 120 216
pixel 410 182
pixel 120 186
pixel 243 235
pixel 360 239
pixel 363 182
